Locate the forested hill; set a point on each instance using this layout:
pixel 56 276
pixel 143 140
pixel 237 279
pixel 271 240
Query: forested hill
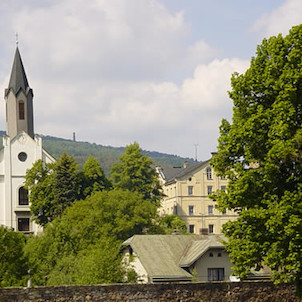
pixel 105 154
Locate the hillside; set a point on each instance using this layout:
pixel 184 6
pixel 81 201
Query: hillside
pixel 106 155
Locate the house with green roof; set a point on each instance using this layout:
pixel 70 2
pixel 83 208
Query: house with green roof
pixel 177 258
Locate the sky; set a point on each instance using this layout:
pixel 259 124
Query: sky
pixel 152 71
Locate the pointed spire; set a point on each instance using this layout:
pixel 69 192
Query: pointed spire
pixel 18 79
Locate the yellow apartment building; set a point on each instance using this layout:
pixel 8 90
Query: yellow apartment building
pixel 187 191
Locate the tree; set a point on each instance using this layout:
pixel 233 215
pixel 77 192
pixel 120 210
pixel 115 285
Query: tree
pixel 65 183
pixel 172 224
pixel 93 178
pixel 135 173
pixel 87 237
pixel 261 154
pixel 52 188
pixel 13 263
pixel 38 181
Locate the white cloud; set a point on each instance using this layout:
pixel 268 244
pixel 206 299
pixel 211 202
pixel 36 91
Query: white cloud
pixel 281 19
pixel 207 89
pixel 160 116
pixel 98 68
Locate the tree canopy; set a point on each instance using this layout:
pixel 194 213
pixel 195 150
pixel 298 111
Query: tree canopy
pixel 261 154
pixel 55 186
pixel 13 263
pixel 134 172
pixel 82 246
pixel 52 187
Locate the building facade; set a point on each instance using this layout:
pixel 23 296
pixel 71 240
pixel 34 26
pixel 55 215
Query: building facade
pixel 177 258
pixel 187 191
pixel 21 148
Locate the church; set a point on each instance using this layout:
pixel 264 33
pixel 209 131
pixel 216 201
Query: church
pixel 21 148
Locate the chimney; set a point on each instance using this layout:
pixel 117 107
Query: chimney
pixel 186 165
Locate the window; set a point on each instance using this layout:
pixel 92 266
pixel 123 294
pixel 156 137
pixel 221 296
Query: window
pixel 22 156
pixel 21 110
pixel 215 274
pixel 219 254
pixel 190 190
pixel 211 254
pixel 224 212
pixel 23 224
pixel 191 228
pixel 210 190
pixel 191 210
pixel 222 188
pixel 23 197
pixel 175 210
pixel 210 209
pixel 211 228
pixel 209 173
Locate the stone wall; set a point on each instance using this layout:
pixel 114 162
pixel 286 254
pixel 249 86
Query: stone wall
pixel 181 292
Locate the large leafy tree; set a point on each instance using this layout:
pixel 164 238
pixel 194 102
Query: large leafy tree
pixel 13 263
pixel 82 246
pixel 134 172
pixel 52 187
pixel 261 154
pixel 55 186
pixel 92 178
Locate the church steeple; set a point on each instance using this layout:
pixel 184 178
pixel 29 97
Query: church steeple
pixel 19 104
pixel 18 79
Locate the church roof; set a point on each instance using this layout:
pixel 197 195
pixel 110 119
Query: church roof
pixel 18 79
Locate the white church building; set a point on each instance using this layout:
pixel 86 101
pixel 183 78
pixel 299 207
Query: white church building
pixel 21 148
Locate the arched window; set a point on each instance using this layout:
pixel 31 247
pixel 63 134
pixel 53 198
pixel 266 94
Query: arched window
pixel 21 110
pixel 23 197
pixel 209 173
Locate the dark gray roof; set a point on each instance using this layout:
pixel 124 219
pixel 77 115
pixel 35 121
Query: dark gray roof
pixel 18 79
pixel 171 174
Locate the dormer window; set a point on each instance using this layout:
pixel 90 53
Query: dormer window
pixel 21 110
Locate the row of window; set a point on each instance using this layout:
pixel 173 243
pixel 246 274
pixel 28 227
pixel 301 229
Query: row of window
pixel 210 229
pixel 209 189
pixel 210 210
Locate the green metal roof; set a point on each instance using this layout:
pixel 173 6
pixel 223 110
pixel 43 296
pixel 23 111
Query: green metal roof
pixel 198 248
pixel 161 255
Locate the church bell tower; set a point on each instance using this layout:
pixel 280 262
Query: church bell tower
pixel 19 101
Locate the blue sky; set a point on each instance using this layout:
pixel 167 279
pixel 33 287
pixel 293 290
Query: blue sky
pixel 152 71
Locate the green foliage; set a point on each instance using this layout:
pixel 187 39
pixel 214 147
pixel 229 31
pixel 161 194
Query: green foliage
pixel 82 246
pixel 135 173
pixel 173 224
pixel 52 187
pixel 260 152
pixel 106 155
pixel 39 181
pixel 93 178
pixel 13 263
pixel 65 183
pixel 98 264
